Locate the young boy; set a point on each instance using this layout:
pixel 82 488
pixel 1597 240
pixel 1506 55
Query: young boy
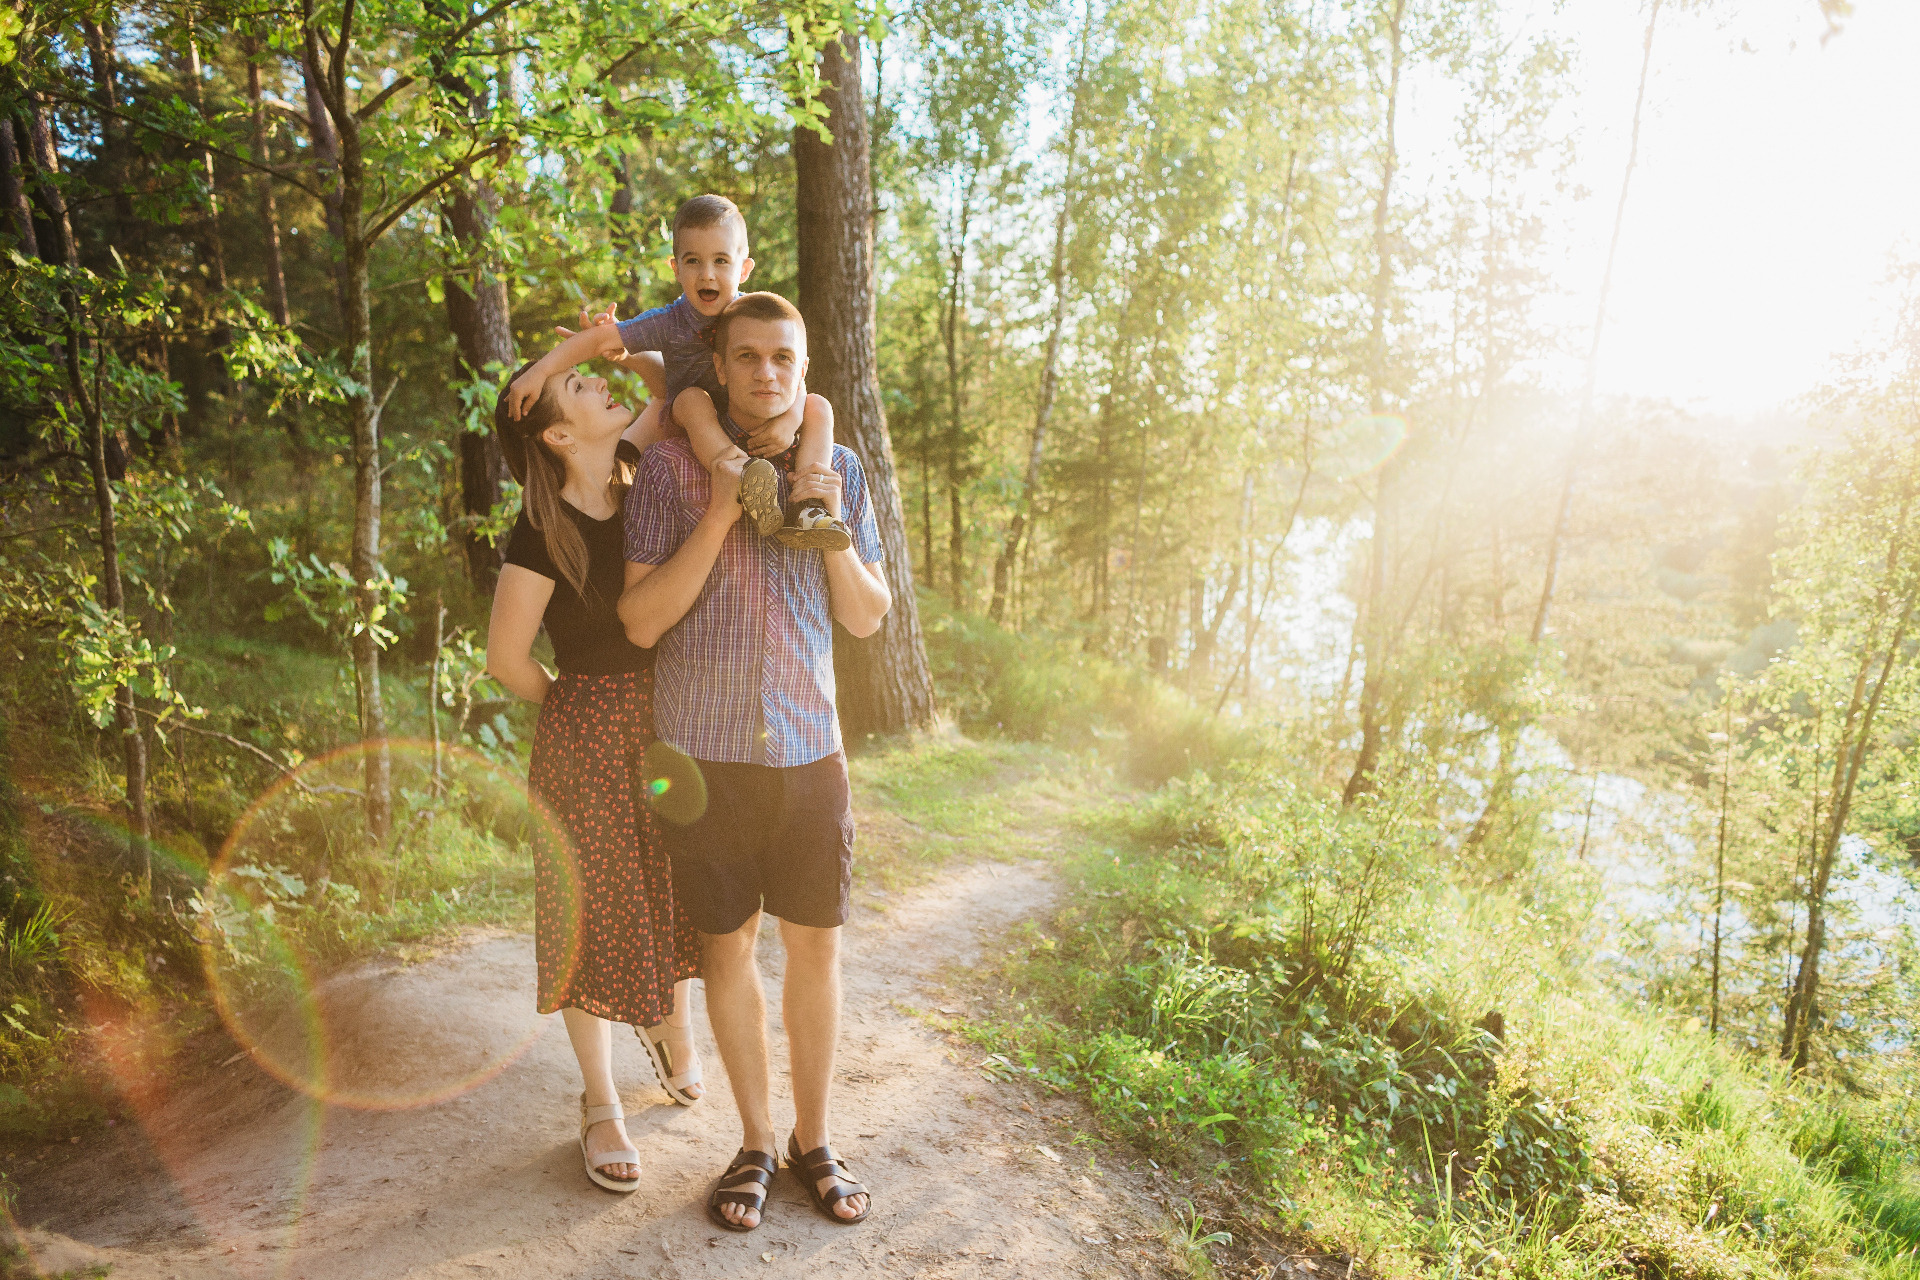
pixel 711 261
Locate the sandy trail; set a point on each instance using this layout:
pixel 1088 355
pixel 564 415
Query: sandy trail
pixel 236 1175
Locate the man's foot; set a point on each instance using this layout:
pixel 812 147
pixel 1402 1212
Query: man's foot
pixel 760 495
pixel 829 1182
pixel 739 1199
pixel 814 528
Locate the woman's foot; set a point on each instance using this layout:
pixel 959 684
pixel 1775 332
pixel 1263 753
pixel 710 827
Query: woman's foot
pixel 611 1135
pixel 676 1059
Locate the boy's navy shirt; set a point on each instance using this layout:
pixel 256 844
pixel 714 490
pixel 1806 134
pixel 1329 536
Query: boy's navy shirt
pixel 684 339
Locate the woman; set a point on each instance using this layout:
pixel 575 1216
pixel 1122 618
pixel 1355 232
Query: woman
pixel 611 944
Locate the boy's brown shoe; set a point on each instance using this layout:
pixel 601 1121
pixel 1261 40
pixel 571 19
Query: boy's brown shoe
pixel 760 495
pixel 814 528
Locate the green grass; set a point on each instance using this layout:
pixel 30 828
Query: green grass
pixel 1284 1002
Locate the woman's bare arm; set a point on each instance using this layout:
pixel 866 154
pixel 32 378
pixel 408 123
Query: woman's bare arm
pixel 519 602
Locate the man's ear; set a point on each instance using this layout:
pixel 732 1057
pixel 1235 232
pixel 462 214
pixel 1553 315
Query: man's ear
pixel 746 269
pixel 720 368
pixel 804 360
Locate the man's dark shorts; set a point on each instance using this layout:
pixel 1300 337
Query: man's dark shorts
pixel 779 840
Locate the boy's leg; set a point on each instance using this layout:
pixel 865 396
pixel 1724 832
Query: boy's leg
pixel 737 1009
pixel 810 1005
pixel 810 526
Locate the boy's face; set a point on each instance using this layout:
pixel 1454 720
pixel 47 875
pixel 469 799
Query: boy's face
pixel 710 263
pixel 762 366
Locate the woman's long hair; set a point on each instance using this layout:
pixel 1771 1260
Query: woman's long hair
pixel 542 474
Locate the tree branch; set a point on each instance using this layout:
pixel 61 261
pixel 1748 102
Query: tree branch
pixel 399 210
pixel 233 157
pixel 244 745
pixel 467 28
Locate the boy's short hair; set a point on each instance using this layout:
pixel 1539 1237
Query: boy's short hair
pixel 707 211
pixel 756 306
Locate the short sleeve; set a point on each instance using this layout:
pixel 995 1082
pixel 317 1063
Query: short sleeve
pixel 653 330
pixel 856 509
pixel 527 547
pixel 653 509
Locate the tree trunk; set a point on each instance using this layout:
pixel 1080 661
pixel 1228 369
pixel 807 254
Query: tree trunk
pixel 1050 363
pixel 269 210
pixel 1584 426
pixel 100 42
pixel 364 418
pixel 216 250
pixel 479 312
pixel 1374 676
pixel 956 397
pixel 885 684
pixel 13 191
pixel 57 244
pixel 627 235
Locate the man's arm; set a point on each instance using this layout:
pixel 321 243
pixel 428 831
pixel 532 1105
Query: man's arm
pixel 856 591
pixel 657 596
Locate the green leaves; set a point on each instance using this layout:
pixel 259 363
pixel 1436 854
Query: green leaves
pixel 328 595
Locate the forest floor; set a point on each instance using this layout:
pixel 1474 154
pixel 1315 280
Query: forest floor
pixel 233 1174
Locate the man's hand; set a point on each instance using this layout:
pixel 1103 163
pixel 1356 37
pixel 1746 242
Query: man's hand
pixel 723 501
pixel 818 484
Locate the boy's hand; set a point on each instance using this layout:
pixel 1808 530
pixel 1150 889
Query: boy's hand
pixel 723 500
pixel 818 484
pixel 589 319
pixel 776 435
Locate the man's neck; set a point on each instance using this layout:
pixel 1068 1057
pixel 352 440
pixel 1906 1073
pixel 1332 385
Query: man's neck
pixel 749 422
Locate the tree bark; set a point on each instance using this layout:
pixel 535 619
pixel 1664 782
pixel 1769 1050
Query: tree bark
pixel 269 209
pixel 480 314
pixel 353 287
pixel 956 395
pixel 885 684
pixel 100 43
pixel 1373 678
pixel 13 191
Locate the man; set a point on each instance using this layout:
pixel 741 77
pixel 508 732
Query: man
pixel 744 685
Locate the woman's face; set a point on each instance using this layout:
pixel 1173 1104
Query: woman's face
pixel 588 411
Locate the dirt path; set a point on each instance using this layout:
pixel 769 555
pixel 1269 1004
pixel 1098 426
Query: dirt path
pixel 238 1176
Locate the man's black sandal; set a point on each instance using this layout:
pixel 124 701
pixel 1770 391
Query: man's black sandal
pixel 744 1183
pixel 822 1163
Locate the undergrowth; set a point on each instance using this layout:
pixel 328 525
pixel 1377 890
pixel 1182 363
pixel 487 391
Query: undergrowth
pixel 1298 1003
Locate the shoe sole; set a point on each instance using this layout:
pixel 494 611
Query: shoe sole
pixel 760 495
pixel 814 539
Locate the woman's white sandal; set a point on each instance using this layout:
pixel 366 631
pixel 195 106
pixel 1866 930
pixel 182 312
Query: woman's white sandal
pixel 591 1116
pixel 675 1085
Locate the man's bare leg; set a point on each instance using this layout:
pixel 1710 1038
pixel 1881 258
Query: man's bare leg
pixel 737 1009
pixel 810 1003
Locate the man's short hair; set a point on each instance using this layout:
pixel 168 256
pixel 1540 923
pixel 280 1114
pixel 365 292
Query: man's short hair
pixel 756 306
pixel 707 211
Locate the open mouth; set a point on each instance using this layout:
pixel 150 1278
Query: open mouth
pixel 709 295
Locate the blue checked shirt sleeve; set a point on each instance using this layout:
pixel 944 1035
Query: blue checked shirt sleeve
pixel 652 515
pixel 856 511
pixel 650 330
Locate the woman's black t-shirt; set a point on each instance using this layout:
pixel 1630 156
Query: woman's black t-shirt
pixel 588 639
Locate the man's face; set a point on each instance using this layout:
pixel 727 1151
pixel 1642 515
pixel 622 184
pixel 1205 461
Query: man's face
pixel 762 365
pixel 710 263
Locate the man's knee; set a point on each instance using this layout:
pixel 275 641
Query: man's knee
pixel 810 947
pixel 731 949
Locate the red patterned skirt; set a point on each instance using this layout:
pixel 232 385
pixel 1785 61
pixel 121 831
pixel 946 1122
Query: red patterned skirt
pixel 608 937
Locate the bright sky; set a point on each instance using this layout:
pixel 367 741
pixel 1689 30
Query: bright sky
pixel 1776 178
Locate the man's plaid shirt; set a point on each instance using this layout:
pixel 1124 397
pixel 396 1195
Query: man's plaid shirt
pixel 747 676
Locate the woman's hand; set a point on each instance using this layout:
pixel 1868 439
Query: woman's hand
pixel 526 389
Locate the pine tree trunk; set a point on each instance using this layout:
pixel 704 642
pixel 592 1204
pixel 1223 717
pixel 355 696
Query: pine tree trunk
pixel 885 684
pixel 13 191
pixel 479 312
pixel 1374 677
pixel 269 209
pixel 216 249
pixel 353 287
pixel 1003 563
